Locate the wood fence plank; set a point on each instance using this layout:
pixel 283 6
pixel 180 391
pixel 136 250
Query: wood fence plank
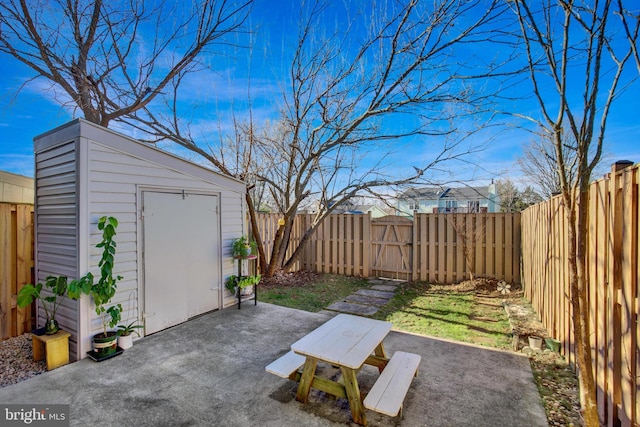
pixel 422 245
pixel 450 244
pixel 603 312
pixel 614 295
pixel 517 238
pixel 636 350
pixel 366 246
pixel 6 276
pixel 628 325
pixel 433 248
pixel 24 262
pixel 491 236
pixel 507 251
pixel 481 245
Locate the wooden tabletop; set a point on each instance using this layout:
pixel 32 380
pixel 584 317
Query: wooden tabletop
pixel 345 340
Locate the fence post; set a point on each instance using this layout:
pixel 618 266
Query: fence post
pixel 366 245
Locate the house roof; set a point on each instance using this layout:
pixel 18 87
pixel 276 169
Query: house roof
pixel 434 193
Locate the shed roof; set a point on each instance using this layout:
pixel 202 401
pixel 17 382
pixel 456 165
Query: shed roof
pixel 80 127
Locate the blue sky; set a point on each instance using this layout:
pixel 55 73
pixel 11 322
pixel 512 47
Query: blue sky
pixel 33 110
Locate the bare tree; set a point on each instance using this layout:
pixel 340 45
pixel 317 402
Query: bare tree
pixel 512 199
pixel 110 59
pixel 509 195
pixel 571 49
pixel 540 164
pixel 469 231
pixel 343 88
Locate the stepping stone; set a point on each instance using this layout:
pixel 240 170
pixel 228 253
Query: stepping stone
pixel 375 294
pixel 363 299
pixel 378 281
pixel 346 307
pixel 386 281
pixel 387 288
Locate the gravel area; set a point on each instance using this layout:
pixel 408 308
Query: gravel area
pixel 16 360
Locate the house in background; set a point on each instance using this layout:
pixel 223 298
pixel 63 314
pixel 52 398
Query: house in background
pixel 16 188
pixel 448 200
pixel 375 211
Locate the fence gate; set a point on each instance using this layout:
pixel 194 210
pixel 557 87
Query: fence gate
pixel 392 247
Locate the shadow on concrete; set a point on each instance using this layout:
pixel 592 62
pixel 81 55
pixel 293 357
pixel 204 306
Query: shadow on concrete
pixel 210 372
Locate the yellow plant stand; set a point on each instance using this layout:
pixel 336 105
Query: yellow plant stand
pixel 54 347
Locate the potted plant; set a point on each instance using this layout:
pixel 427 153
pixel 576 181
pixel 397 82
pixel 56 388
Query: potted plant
pixel 57 285
pixel 103 290
pixel 242 247
pixel 535 342
pixel 242 285
pixel 125 334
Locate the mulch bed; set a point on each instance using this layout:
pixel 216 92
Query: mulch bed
pixel 281 279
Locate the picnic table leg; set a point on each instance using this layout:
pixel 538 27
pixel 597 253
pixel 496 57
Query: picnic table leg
pixel 379 351
pixel 304 386
pixel 353 394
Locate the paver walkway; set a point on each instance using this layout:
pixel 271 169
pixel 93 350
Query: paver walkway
pixel 367 302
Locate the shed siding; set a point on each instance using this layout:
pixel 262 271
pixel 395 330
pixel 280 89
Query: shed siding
pixel 100 172
pixel 114 181
pixel 56 235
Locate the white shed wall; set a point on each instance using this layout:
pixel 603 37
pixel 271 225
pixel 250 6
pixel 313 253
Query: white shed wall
pixel 100 173
pixel 56 237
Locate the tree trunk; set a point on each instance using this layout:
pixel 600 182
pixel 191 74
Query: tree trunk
pixel 576 211
pixel 303 241
pixel 262 259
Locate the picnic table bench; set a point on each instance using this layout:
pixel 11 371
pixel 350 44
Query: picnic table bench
pixel 349 342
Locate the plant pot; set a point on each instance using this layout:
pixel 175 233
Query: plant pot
pixel 535 342
pixel 245 251
pixel 104 346
pixel 51 326
pixel 125 341
pixel 246 291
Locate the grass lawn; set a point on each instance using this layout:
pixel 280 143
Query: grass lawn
pixel 313 295
pixel 460 316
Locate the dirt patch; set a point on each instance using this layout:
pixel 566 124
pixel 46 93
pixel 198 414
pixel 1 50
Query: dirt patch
pixel 293 279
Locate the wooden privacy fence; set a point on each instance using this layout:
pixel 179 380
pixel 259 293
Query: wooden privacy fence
pixel 16 266
pixel 442 248
pixel 612 265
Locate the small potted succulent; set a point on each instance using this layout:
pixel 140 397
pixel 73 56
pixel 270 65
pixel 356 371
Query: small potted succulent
pixel 125 334
pixel 242 247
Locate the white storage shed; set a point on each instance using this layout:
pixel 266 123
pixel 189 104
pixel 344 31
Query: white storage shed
pixel 176 223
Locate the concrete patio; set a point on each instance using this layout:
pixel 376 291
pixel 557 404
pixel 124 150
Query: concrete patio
pixel 210 371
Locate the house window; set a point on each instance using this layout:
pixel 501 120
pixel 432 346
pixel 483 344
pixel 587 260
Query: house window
pixel 450 205
pixel 473 206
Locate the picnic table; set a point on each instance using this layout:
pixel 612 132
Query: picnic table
pixel 347 342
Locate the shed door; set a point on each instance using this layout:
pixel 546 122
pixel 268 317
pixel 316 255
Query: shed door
pixel 181 258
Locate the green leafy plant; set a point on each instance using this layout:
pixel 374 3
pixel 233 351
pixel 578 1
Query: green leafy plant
pixel 57 285
pixel 124 330
pixel 242 246
pixel 241 282
pixel 103 290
